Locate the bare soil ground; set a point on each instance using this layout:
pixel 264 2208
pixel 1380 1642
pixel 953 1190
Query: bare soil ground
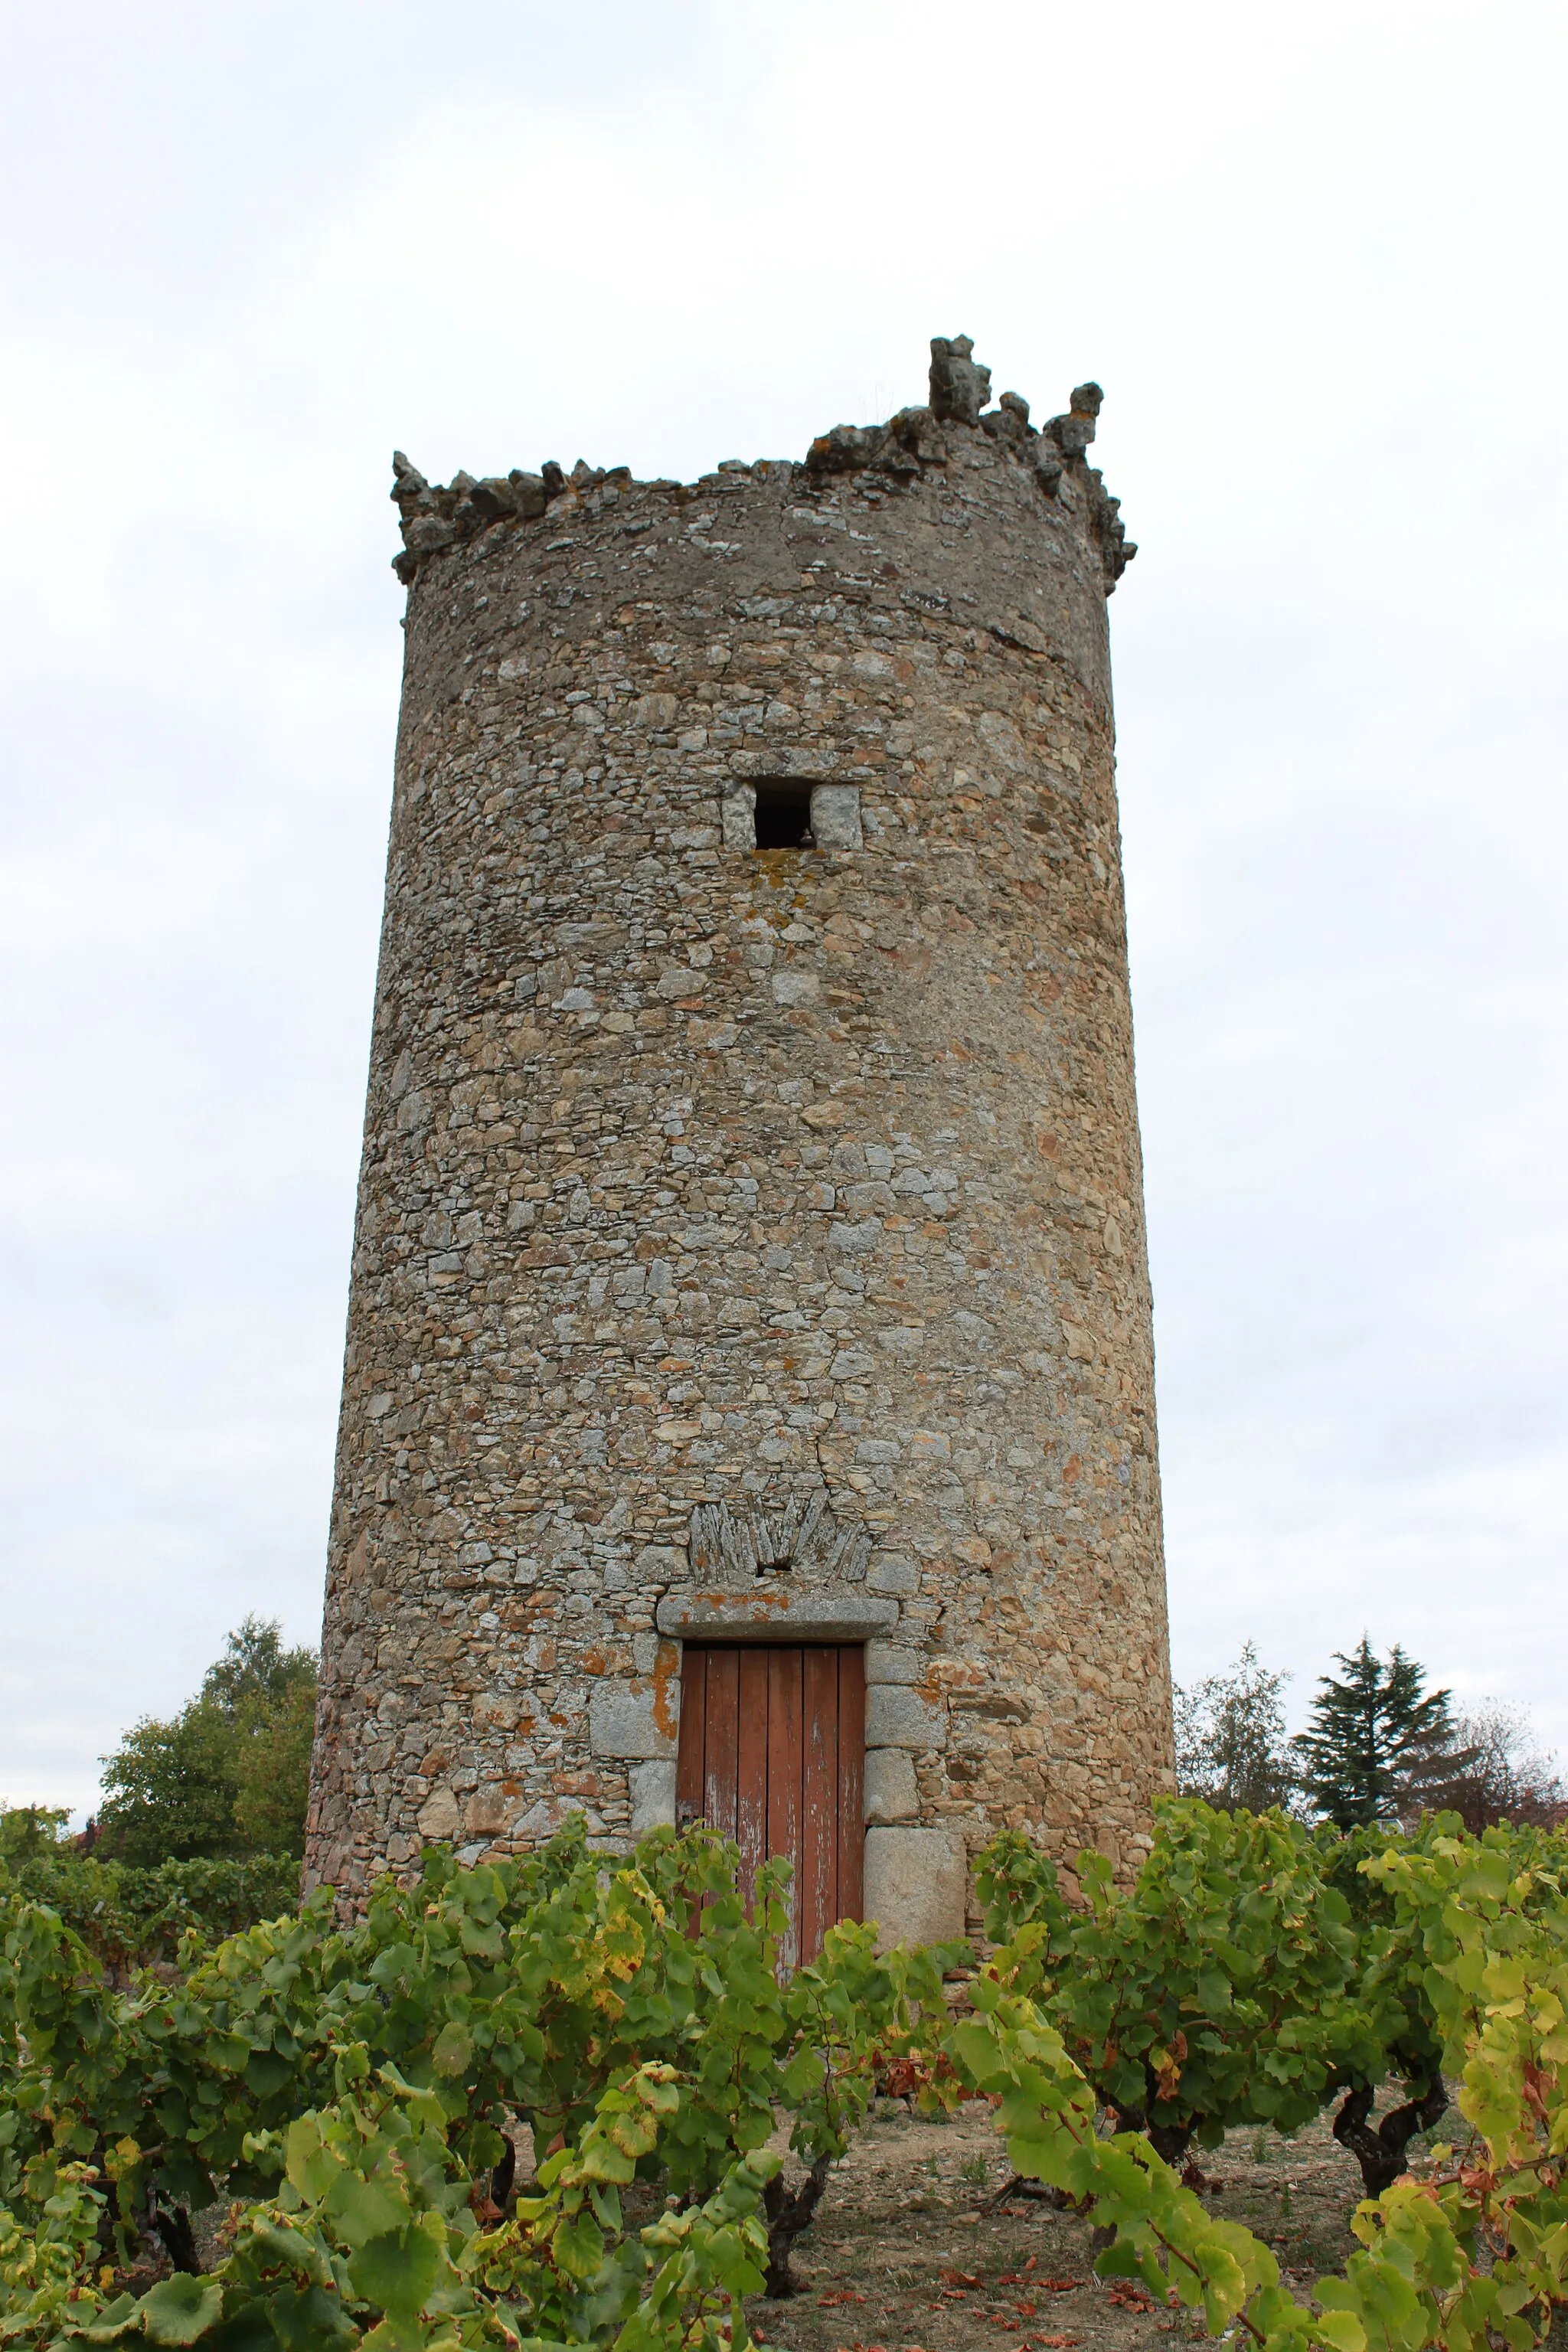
pixel 909 2252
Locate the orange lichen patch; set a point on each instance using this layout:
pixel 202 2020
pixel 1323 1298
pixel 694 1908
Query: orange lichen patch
pixel 667 1690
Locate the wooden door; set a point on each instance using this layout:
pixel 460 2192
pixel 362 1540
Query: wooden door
pixel 772 1754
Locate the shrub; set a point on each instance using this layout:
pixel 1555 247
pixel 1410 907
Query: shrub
pixel 636 2008
pixel 1218 1989
pixel 128 1918
pixel 352 2094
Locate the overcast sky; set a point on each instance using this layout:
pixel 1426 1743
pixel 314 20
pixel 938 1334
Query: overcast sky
pixel 1314 254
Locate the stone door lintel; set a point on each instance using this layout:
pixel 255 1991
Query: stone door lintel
pixel 693 1615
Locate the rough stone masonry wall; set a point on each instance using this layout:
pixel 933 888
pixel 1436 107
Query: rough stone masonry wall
pixel 754 1239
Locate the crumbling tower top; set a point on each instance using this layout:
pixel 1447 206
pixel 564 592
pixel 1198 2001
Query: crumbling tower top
pixel 435 517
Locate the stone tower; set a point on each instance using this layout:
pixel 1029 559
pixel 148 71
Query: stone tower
pixel 750 1310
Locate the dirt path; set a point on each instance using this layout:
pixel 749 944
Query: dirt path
pixel 908 2254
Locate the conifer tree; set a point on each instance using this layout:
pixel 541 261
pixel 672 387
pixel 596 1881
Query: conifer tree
pixel 1379 1743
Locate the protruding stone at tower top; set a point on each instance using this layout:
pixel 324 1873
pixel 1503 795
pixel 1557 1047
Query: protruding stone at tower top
pixel 959 389
pixel 748 1403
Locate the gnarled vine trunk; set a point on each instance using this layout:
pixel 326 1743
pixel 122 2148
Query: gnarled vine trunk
pixel 1380 2152
pixel 787 2214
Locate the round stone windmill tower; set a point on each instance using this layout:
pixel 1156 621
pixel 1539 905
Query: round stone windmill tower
pixel 747 1408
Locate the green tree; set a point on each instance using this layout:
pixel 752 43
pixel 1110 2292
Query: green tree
pixel 28 1830
pixel 1380 1746
pixel 272 1772
pixel 226 1778
pixel 269 1695
pixel 256 1670
pixel 170 1790
pixel 1231 1749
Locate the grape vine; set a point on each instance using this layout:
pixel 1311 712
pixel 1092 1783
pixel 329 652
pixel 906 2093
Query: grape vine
pixel 348 2100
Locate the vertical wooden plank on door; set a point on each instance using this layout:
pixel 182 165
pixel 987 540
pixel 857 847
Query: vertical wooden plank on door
pixel 851 1781
pixel 693 1730
pixel 784 1781
pixel 719 1756
pixel 819 1800
pixel 752 1768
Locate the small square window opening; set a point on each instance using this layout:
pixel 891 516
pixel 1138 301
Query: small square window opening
pixel 783 814
pixel 790 813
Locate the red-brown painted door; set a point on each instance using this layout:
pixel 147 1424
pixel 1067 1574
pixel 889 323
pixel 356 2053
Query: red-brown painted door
pixel 772 1754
